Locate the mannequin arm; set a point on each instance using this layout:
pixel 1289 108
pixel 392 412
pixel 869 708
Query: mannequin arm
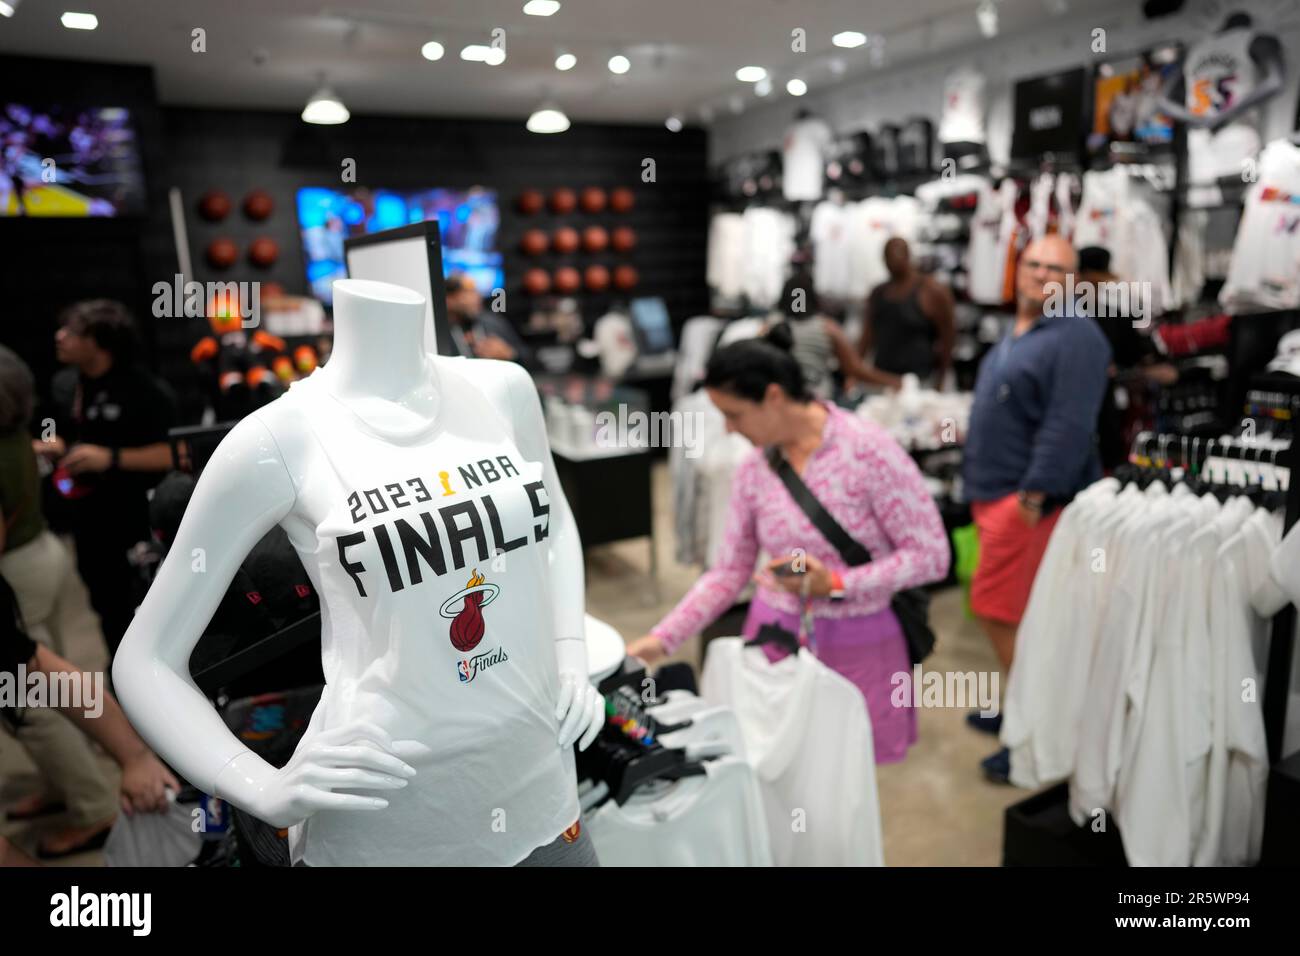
pixel 581 708
pixel 242 494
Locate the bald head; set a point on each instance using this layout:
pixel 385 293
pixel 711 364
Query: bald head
pixel 1043 265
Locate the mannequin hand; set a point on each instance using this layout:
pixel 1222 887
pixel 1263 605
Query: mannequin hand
pixel 649 649
pixel 87 458
pixel 580 709
pixel 145 782
pixel 357 757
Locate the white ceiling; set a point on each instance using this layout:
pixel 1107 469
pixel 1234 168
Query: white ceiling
pixel 269 54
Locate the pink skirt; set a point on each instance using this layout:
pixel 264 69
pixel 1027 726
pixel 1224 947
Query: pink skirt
pixel 868 650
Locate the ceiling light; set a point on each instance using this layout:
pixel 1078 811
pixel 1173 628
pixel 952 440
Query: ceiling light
pixel 495 56
pixel 432 50
pixel 547 118
pixel 7 7
pixel 475 53
pixel 619 64
pixel 796 87
pixel 750 74
pixel 325 109
pixel 541 8
pixel 674 123
pixel 566 61
pixel 849 39
pixel 79 21
pixel 986 14
pixel 763 87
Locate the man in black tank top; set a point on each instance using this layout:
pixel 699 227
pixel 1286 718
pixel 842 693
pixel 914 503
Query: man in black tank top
pixel 909 320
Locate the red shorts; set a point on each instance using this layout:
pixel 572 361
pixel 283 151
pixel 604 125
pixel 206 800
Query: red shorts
pixel 1010 552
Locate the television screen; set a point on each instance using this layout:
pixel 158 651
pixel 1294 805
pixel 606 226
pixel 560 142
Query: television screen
pixel 1126 100
pixel 654 329
pixel 1049 113
pixel 69 161
pixel 467 223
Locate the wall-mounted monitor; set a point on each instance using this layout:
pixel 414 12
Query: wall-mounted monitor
pixel 467 221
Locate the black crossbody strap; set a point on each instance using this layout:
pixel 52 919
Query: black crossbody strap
pixel 852 551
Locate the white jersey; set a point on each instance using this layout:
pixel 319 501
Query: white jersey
pixel 995 238
pixel 427 633
pixel 713 820
pixel 768 244
pixel 1218 73
pixel 725 265
pixel 962 117
pixel 808 736
pixel 803 156
pixel 1265 270
pixel 1114 216
pixel 872 223
pixel 832 258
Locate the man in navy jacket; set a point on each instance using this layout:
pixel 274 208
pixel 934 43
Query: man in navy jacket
pixel 1031 444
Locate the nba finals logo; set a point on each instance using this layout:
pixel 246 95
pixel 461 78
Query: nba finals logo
pixel 465 611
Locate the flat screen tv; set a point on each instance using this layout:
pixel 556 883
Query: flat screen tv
pixel 467 221
pixel 69 161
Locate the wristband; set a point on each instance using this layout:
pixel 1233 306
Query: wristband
pixel 837 587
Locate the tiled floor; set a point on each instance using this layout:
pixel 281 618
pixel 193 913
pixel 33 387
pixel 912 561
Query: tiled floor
pixel 936 808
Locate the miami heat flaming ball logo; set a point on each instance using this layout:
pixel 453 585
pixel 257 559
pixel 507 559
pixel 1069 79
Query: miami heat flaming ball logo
pixel 465 611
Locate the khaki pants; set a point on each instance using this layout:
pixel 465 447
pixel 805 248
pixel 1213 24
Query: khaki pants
pixel 56 612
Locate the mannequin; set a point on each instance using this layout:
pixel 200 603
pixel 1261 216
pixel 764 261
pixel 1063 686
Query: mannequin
pixel 417 499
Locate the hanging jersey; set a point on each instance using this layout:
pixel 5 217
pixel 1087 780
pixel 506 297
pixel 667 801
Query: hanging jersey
pixel 995 239
pixel 804 159
pixel 1067 184
pixel 1265 269
pixel 962 119
pixel 829 233
pixel 429 551
pixel 1218 73
pixel 1040 205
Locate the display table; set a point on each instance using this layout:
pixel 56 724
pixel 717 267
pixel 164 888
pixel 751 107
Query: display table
pixel 609 494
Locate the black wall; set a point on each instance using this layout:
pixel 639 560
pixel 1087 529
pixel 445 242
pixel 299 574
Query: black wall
pixel 47 265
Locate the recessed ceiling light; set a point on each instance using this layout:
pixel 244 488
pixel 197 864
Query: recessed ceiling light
pixel 475 53
pixel 849 39
pixel 796 87
pixel 565 61
pixel 751 74
pixel 547 118
pixel 432 50
pixel 763 87
pixel 619 64
pixel 495 57
pixel 541 8
pixel 325 109
pixel 674 124
pixel 79 21
pixel 8 7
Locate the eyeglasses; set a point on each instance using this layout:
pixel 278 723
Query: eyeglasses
pixel 1033 265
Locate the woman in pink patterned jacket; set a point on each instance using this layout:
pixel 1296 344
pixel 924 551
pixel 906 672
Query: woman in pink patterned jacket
pixel 871 487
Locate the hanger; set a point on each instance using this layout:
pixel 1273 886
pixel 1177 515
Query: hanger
pixel 775 634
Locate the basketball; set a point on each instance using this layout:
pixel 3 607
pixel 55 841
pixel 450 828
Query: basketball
pixel 534 242
pixel 563 201
pixel 593 200
pixel 537 282
pixel 263 252
pixel 565 240
pixel 621 199
pixel 258 205
pixel 596 278
pixel 623 239
pixel 214 205
pixel 625 277
pixel 567 280
pixel 530 202
pixel 222 253
pixel 595 239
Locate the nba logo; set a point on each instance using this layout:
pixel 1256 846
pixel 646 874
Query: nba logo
pixel 462 671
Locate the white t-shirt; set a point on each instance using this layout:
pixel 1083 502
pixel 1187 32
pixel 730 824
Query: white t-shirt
pixel 711 820
pixel 425 635
pixel 1218 73
pixel 803 155
pixel 962 118
pixel 725 266
pixel 1265 269
pixel 872 223
pixel 768 246
pixel 832 252
pixel 808 737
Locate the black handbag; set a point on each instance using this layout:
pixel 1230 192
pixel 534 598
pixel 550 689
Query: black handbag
pixel 911 607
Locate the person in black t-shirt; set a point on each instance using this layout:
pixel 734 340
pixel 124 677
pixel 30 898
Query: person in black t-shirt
pixel 110 448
